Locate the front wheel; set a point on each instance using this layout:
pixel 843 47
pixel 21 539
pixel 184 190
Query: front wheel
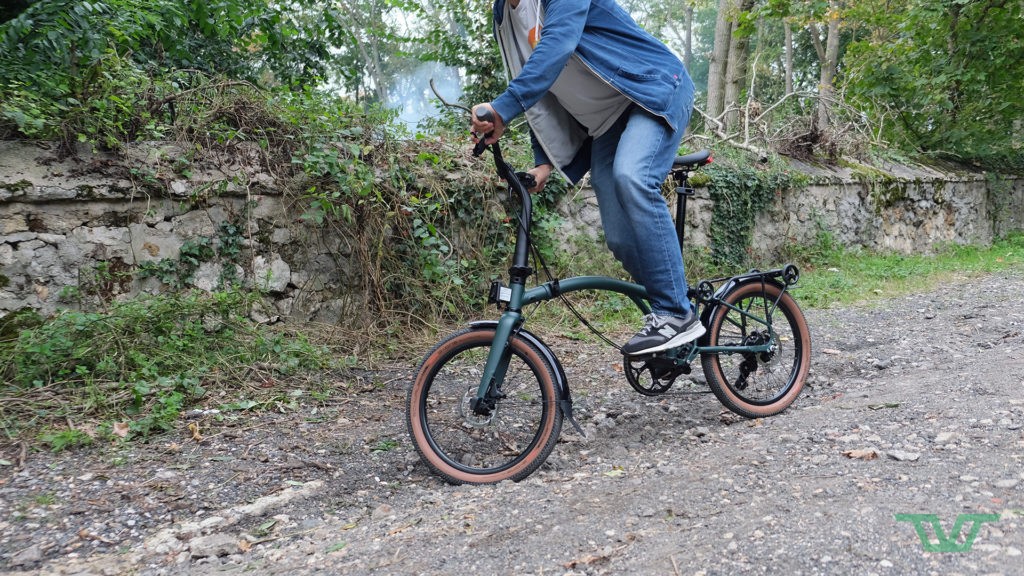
pixel 462 446
pixel 756 385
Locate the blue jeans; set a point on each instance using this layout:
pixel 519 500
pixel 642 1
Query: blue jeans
pixel 629 163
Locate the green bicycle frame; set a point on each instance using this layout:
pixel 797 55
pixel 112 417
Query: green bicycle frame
pixel 512 318
pixel 519 296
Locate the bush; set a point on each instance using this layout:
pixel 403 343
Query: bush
pixel 148 359
pixel 740 187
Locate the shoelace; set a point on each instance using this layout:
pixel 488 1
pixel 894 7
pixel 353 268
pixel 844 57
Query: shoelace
pixel 651 322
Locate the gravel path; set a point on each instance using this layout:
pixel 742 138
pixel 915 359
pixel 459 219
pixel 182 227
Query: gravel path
pixel 914 406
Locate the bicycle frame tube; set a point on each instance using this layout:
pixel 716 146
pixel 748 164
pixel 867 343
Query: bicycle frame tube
pixel 498 357
pixel 512 319
pixel 497 360
pixel 549 290
pixel 732 349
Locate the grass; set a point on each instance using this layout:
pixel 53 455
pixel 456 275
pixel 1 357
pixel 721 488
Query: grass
pixel 131 369
pixel 832 275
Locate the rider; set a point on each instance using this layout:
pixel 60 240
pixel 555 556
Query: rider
pixel 601 94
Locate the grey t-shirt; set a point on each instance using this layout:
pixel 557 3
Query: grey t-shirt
pixel 592 102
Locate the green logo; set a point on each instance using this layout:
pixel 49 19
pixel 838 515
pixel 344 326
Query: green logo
pixel 947 542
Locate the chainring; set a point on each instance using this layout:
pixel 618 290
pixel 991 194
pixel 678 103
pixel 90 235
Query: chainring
pixel 652 375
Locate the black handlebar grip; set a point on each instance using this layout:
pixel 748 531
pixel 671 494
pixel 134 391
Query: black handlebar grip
pixel 528 180
pixel 484 114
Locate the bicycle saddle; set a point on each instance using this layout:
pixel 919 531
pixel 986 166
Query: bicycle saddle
pixel 692 161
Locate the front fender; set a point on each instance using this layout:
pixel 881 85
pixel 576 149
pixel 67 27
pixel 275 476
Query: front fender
pixel 564 396
pixel 560 379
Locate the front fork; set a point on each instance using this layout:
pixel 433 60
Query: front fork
pixel 489 391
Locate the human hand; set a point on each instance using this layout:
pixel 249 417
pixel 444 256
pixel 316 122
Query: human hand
pixel 492 128
pixel 541 174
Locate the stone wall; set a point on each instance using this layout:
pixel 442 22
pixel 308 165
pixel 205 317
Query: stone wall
pixel 907 210
pixel 81 228
pixel 896 209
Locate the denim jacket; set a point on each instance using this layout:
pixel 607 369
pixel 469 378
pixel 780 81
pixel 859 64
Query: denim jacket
pixel 614 47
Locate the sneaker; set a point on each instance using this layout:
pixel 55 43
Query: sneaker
pixel 664 332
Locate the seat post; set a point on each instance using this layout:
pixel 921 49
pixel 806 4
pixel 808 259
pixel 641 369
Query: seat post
pixel 682 191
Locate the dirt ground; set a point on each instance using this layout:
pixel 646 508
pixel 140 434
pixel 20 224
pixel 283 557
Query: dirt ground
pixel 914 407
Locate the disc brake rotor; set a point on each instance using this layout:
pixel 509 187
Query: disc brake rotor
pixel 469 416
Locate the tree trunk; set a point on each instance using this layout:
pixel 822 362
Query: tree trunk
pixel 829 65
pixel 688 39
pixel 736 71
pixel 788 54
pixel 952 46
pixel 719 59
pixel 815 34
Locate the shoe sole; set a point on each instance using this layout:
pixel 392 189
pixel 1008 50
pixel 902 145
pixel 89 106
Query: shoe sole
pixel 695 331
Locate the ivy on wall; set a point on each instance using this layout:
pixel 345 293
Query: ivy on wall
pixel 740 188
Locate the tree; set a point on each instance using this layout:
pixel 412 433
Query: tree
pixel 828 55
pixel 100 70
pixel 12 8
pixel 788 61
pixel 737 62
pixel 719 59
pixel 947 74
pixel 670 20
pixel 688 38
pixel 458 33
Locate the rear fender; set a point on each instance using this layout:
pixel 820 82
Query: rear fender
pixel 728 286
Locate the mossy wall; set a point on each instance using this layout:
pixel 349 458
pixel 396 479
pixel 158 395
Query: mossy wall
pixel 895 208
pixel 85 228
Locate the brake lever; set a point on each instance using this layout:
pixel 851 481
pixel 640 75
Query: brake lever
pixel 479 148
pixel 528 180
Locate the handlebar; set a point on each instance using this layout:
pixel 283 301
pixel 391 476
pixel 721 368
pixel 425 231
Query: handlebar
pixel 518 183
pixel 485 115
pixel 525 178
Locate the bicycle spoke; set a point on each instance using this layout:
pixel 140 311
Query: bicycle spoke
pixel 765 381
pixel 509 440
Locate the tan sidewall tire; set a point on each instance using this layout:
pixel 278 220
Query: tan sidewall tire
pixel 543 443
pixel 713 370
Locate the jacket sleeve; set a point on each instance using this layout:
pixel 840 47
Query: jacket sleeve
pixel 562 28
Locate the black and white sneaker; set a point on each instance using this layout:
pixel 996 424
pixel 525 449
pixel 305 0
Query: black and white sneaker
pixel 664 332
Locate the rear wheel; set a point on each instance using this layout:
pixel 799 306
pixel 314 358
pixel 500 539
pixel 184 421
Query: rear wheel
pixel 760 384
pixel 464 447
